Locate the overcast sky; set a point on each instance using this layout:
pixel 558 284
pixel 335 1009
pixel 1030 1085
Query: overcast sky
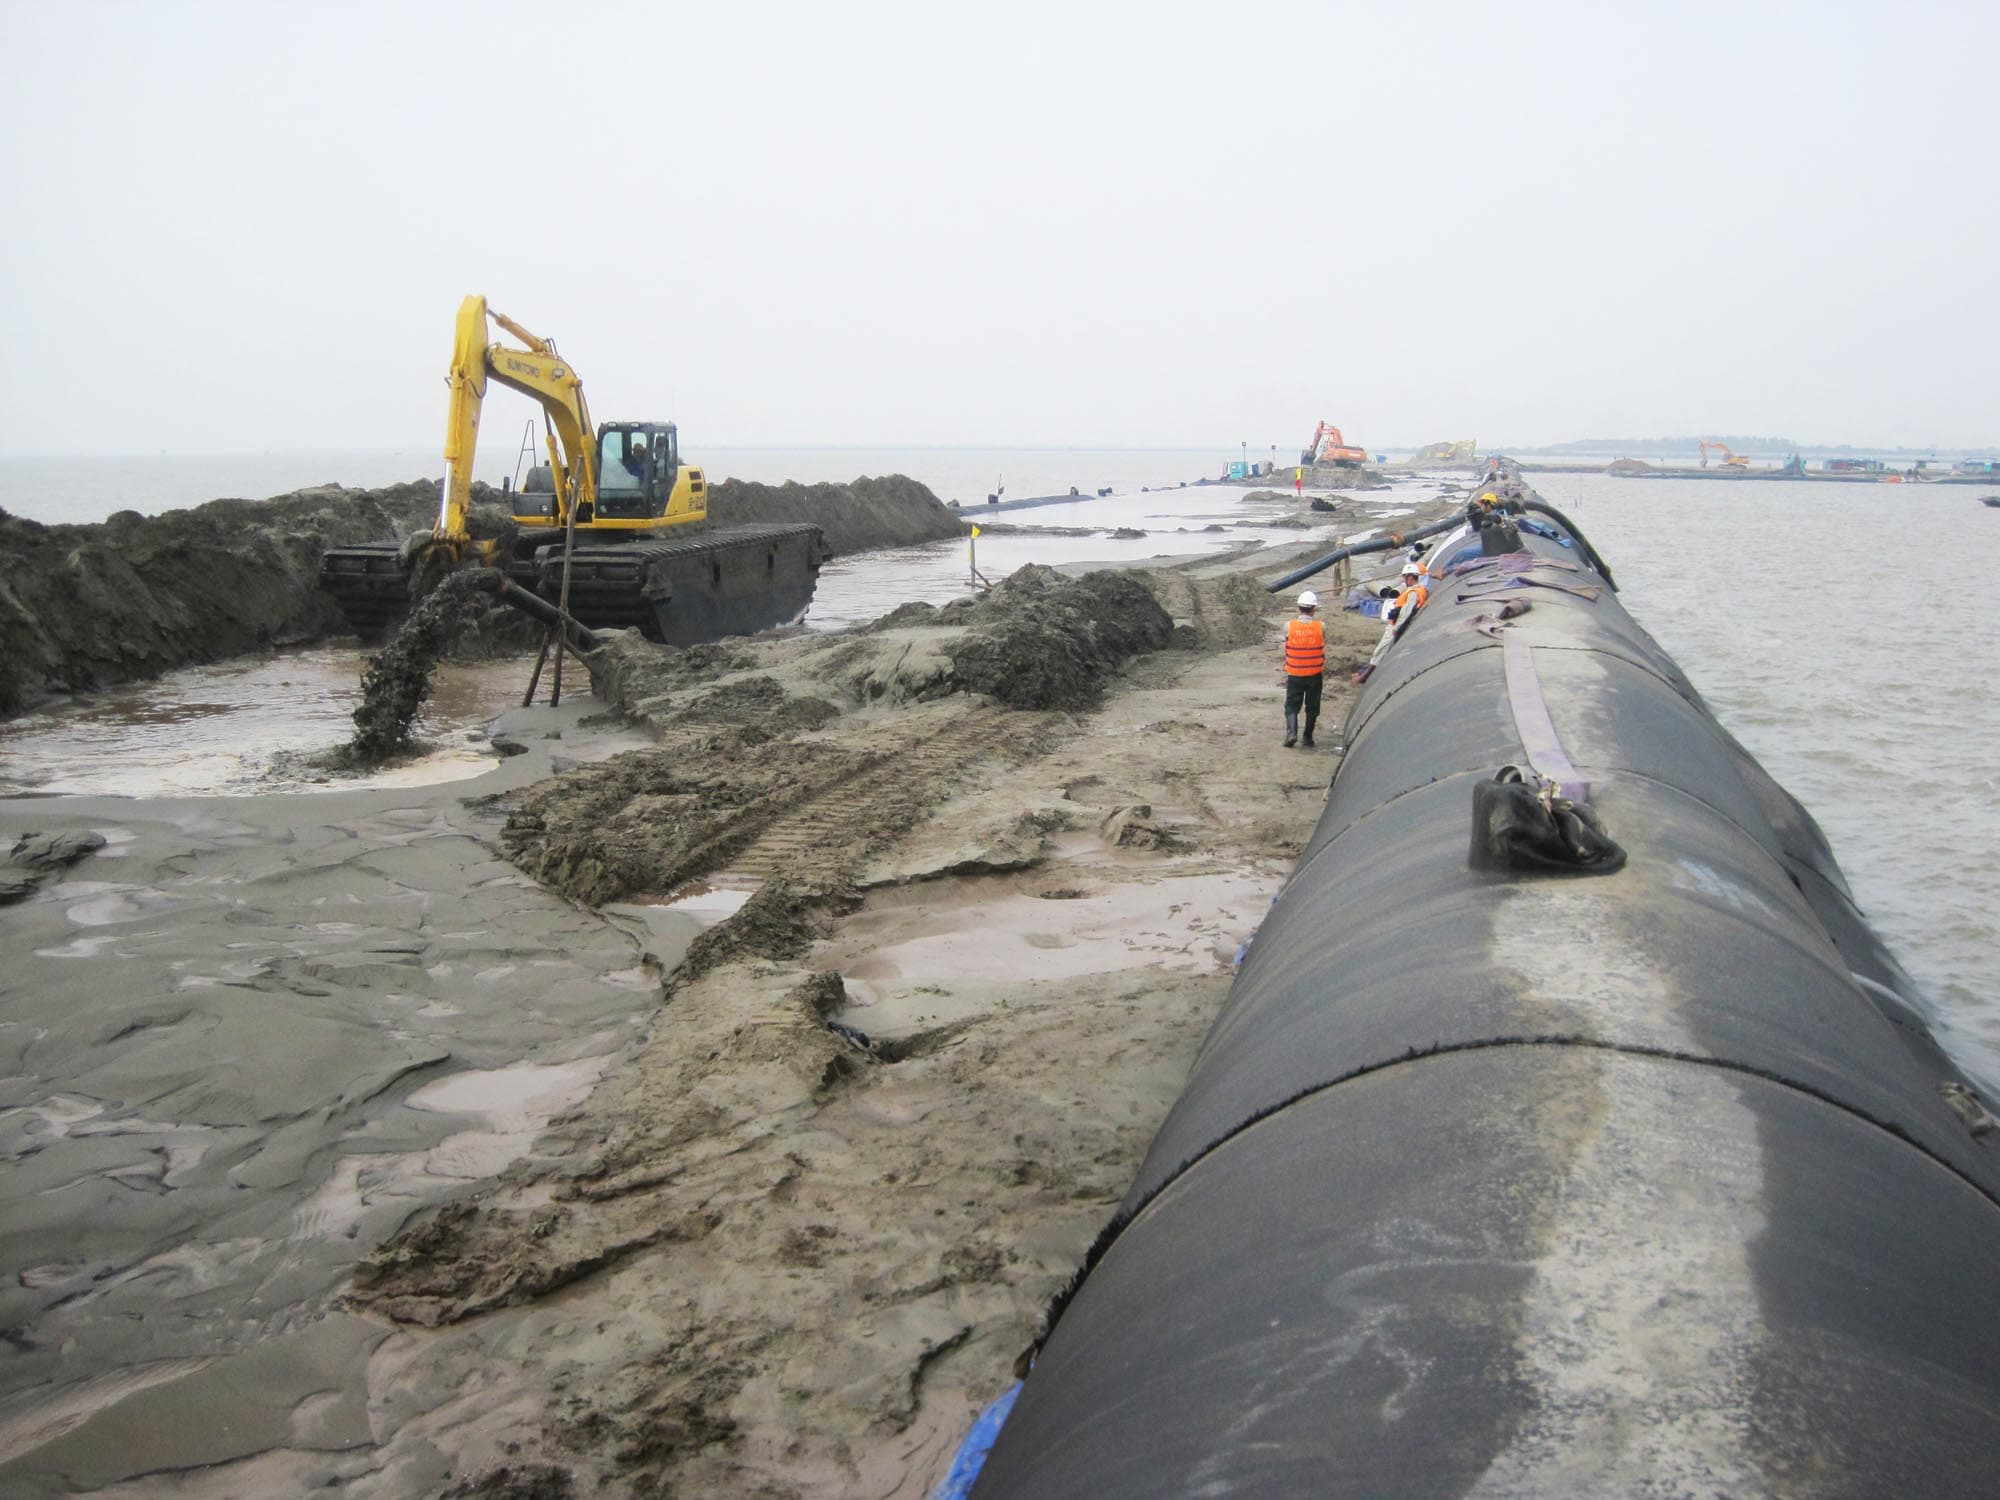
pixel 247 227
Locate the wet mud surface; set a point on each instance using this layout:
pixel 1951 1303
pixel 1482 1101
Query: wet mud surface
pixel 559 1191
pixel 218 1029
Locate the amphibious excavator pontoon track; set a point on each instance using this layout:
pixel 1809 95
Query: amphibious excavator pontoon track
pixel 683 590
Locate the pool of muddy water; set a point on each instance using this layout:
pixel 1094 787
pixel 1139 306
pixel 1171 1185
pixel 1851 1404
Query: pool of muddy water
pixel 910 961
pixel 240 726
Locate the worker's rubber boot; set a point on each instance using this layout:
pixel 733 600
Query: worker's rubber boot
pixel 1308 741
pixel 1291 730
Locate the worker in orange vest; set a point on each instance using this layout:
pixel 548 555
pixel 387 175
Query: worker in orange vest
pixel 1412 597
pixel 1305 668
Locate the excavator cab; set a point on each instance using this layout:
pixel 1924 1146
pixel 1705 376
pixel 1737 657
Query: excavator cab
pixel 636 466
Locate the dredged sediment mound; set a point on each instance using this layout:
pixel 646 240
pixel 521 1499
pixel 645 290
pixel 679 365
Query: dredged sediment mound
pixel 861 515
pixel 88 607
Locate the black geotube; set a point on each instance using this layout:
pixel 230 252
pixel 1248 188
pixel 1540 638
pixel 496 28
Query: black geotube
pixel 1576 534
pixel 1654 1180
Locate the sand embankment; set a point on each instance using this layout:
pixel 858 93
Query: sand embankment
pixel 886 1106
pixel 87 607
pixel 1002 856
pixel 859 516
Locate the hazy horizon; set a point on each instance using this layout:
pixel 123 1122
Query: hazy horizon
pixel 236 228
pixel 1258 453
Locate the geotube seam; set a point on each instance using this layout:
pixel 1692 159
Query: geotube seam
pixel 1111 1233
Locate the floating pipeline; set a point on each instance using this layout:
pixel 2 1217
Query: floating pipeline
pixel 1567 1130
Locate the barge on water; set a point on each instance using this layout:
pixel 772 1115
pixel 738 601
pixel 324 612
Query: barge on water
pixel 1567 1132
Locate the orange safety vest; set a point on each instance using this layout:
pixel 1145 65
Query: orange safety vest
pixel 1410 601
pixel 1305 648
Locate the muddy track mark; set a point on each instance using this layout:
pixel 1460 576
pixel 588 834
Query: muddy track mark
pixel 861 812
pixel 805 809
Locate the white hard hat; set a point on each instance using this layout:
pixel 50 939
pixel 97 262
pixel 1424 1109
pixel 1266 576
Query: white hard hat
pixel 1309 600
pixel 1411 570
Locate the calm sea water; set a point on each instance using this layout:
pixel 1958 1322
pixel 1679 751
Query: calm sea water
pixel 1843 633
pixel 1838 630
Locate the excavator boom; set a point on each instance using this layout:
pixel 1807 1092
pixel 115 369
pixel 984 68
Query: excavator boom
pixel 1329 447
pixel 536 371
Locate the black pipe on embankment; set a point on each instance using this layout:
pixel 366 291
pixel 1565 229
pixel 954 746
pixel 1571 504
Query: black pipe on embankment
pixel 493 581
pixel 1565 1133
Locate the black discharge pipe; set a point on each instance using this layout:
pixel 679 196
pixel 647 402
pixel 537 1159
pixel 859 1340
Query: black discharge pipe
pixel 1494 1177
pixel 503 588
pixel 1379 544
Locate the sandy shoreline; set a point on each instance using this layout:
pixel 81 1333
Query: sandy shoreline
pixel 764 1254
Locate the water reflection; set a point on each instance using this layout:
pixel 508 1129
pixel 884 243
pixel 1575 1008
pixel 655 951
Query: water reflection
pixel 219 728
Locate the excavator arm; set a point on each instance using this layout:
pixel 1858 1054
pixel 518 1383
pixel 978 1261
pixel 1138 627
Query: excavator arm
pixel 1329 446
pixel 1323 430
pixel 536 371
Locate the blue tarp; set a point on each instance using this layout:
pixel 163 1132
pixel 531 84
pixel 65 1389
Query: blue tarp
pixel 978 1442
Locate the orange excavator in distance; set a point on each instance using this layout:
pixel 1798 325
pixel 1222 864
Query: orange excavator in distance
pixel 1729 460
pixel 1329 447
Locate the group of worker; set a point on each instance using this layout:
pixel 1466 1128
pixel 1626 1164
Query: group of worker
pixel 1305 637
pixel 1305 650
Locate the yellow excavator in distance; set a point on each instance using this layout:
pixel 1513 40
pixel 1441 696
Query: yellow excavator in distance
pixel 614 513
pixel 1729 460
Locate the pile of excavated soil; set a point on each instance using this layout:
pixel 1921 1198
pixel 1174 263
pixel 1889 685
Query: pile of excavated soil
pixel 1041 640
pixel 891 511
pixel 85 607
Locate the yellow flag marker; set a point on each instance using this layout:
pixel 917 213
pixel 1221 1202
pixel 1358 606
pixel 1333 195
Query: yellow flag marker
pixel 975 531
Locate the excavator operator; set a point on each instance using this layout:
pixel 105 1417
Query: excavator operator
pixel 622 475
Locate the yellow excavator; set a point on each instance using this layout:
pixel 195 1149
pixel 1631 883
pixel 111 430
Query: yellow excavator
pixel 1730 460
pixel 613 527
